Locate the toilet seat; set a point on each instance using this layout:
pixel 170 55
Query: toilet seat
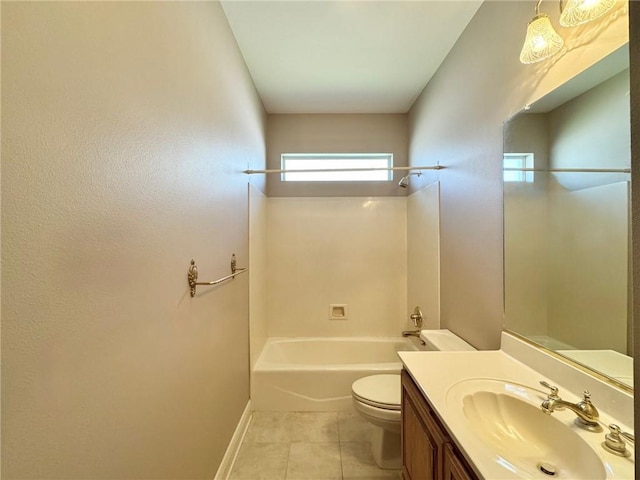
pixel 379 391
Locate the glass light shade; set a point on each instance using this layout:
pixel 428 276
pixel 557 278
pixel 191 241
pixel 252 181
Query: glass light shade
pixel 577 12
pixel 541 42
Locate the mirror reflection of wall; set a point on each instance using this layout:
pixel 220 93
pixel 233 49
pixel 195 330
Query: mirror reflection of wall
pixel 566 226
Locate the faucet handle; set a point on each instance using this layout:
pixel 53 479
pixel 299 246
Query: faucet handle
pixel 554 390
pixel 629 437
pixel 615 431
pixel 614 440
pixel 417 317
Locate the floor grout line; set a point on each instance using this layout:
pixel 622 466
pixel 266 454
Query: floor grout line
pixel 286 467
pixel 339 445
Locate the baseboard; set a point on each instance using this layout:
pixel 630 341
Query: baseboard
pixel 234 445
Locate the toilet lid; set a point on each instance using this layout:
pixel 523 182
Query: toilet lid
pixel 382 391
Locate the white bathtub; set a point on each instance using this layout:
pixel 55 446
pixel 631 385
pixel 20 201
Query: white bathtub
pixel 315 374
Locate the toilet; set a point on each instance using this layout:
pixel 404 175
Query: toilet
pixel 377 399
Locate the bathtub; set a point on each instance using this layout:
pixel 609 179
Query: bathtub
pixel 315 374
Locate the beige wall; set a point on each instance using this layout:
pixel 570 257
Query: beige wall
pixel 423 255
pixel 457 120
pixel 528 133
pixel 125 127
pixel 592 130
pixel 362 133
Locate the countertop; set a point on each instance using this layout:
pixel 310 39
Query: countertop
pixel 439 374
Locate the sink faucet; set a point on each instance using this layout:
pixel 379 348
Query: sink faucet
pixel 586 411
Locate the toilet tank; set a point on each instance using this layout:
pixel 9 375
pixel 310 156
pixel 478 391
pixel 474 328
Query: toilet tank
pixel 443 340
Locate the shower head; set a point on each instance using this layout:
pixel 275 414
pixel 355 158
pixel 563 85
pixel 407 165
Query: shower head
pixel 404 181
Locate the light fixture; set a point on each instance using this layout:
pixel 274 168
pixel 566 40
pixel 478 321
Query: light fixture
pixel 577 12
pixel 542 41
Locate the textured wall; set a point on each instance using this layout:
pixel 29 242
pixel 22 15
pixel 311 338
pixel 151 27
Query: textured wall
pixel 423 255
pixel 457 120
pixel 365 133
pixel 125 127
pixel 592 130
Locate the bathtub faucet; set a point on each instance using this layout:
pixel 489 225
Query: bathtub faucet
pixel 413 333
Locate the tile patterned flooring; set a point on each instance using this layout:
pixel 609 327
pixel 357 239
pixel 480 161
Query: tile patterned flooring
pixel 307 446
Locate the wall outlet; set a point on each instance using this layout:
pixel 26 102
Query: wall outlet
pixel 338 311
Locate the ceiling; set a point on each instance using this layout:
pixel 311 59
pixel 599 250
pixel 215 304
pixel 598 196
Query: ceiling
pixel 347 56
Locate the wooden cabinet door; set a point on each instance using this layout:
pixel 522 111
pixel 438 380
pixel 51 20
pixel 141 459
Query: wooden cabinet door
pixel 419 454
pixel 422 438
pixel 453 467
pixel 427 452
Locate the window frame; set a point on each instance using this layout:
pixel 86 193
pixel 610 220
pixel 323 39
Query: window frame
pixel 383 172
pixel 526 160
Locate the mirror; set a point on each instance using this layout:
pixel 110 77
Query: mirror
pixel 566 221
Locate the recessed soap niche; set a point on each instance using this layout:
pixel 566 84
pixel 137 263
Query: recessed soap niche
pixel 338 311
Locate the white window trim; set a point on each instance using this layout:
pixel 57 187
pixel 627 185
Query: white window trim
pixel 337 167
pixel 524 160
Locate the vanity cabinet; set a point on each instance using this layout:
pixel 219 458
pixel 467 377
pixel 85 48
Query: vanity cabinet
pixel 427 450
pixel 454 468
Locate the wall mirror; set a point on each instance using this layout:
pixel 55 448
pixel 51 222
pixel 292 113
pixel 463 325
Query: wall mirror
pixel 566 221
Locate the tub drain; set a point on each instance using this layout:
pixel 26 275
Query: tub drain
pixel 547 469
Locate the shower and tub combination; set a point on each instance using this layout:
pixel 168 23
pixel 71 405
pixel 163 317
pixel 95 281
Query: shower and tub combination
pixel 316 374
pixel 344 374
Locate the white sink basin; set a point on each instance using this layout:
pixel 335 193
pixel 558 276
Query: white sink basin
pixel 507 418
pixel 528 440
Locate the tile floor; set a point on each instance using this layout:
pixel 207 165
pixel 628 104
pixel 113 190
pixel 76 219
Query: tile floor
pixel 307 446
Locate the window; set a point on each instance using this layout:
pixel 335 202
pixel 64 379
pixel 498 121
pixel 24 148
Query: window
pixel 343 161
pixel 517 161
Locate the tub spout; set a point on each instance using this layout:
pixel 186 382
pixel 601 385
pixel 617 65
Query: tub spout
pixel 413 333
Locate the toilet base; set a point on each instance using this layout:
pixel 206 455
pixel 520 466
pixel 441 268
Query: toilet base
pixel 385 447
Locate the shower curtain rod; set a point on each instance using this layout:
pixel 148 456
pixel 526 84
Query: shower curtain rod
pixel 569 170
pixel 366 169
